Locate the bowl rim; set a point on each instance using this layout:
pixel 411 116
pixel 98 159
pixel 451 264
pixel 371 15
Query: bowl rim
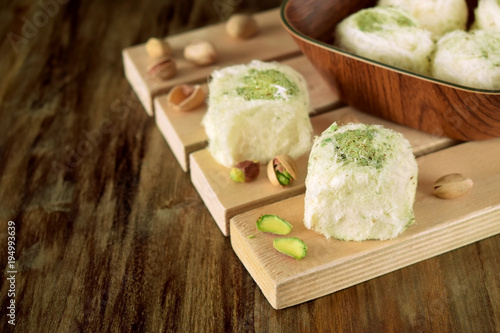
pixel 330 47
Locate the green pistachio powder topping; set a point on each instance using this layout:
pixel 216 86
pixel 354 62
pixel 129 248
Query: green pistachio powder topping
pixel 373 21
pixel 266 84
pixel 357 146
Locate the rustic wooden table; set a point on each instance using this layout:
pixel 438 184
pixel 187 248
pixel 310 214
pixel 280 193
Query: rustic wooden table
pixel 108 232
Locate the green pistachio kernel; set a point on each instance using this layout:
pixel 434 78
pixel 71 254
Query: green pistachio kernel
pixel 291 246
pixel 273 224
pixel 284 178
pixel 237 175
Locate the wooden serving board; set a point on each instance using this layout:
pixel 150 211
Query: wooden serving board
pixel 225 198
pixel 185 134
pixel 271 43
pixel 331 265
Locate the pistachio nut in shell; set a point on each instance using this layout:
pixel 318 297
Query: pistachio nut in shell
pixel 241 26
pixel 282 170
pixel 163 69
pixel 200 52
pixel 157 48
pixel 451 186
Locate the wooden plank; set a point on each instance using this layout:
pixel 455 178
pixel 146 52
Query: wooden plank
pixel 182 130
pixel 331 265
pixel 271 43
pixel 225 199
pixel 185 134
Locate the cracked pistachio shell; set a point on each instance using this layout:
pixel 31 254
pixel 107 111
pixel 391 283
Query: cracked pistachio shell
pixel 186 97
pixel 288 164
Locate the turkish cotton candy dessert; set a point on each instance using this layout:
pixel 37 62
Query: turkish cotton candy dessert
pixel 361 183
pixel 471 59
pixel 487 15
pixel 257 111
pixel 437 16
pixel 388 35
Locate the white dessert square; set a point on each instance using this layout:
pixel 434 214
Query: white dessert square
pixel 361 183
pixel 257 111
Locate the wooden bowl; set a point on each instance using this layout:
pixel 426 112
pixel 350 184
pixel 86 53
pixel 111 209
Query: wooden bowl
pixel 410 99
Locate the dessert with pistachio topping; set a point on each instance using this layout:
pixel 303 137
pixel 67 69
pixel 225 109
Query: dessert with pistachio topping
pixel 437 16
pixel 361 183
pixel 388 35
pixel 487 15
pixel 257 111
pixel 471 59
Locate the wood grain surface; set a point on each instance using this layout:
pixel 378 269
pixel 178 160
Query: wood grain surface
pixel 331 265
pixel 271 43
pixel 111 235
